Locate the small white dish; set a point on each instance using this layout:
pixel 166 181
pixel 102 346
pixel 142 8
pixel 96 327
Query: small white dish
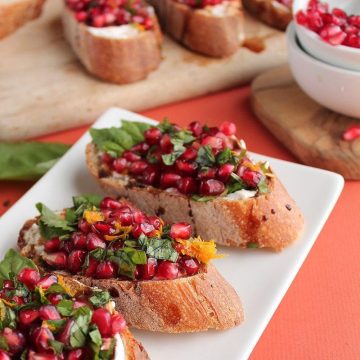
pixel 261 278
pixel 339 55
pixel 335 88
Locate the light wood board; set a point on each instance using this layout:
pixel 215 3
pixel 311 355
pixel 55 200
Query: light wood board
pixel 310 131
pixel 43 88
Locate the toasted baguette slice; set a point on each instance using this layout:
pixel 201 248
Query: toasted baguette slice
pixel 271 12
pixel 215 31
pixel 133 349
pixel 196 303
pixel 119 60
pixel 271 221
pixel 15 13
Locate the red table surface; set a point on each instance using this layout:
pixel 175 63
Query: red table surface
pixel 319 318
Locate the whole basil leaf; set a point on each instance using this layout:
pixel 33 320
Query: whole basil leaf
pixel 28 160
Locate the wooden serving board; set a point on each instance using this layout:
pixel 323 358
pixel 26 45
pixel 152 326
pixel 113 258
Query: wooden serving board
pixel 43 88
pixel 310 131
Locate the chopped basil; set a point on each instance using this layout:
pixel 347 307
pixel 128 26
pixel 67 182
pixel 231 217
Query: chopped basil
pixel 3 344
pixel 55 325
pixel 185 136
pixel 12 264
pixel 95 335
pixel 99 298
pixel 262 186
pixel 80 328
pixel 87 199
pixel 205 156
pixel 65 307
pixel 226 157
pixel 165 126
pixel 179 149
pixel 57 346
pixel 55 289
pixel 52 224
pixel 200 198
pixel 7 317
pixel 161 249
pixel 125 264
pixel 252 245
pixel 40 296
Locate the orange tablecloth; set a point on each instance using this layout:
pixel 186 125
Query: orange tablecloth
pixel 319 317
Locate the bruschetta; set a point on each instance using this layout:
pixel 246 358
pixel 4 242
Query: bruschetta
pixel 200 175
pixel 276 13
pixel 158 275
pixel 210 27
pixel 45 318
pixel 16 13
pixel 118 42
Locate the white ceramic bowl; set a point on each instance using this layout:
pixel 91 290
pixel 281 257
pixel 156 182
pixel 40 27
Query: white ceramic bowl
pixel 335 88
pixel 338 55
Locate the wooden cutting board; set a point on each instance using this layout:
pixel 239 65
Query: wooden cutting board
pixel 43 88
pixel 311 132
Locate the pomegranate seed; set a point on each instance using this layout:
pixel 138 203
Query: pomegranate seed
pixel 141 148
pixel 76 260
pixel 91 269
pixel 155 222
pixel 52 245
pixel 180 230
pixel 150 175
pixel 138 167
pixel 352 133
pixel 36 356
pixel 105 270
pixel 47 281
pixel 211 187
pixel 224 172
pixel 102 319
pixel 103 228
pixel 79 303
pixel 84 226
pixel 49 312
pixel 94 242
pixel 57 260
pixel 107 158
pixel 136 231
pixel 64 335
pixel 139 217
pixel 189 154
pixel 54 298
pixel 125 218
pixel 118 324
pixel 152 136
pixel 167 270
pixel 187 185
pixel 4 355
pixel 186 168
pixel 120 165
pixel 77 354
pixel 8 284
pixel 67 245
pixel 130 156
pixel 190 265
pixel 27 316
pixel 147 271
pixel 79 240
pixel 333 34
pixel 196 128
pixel 214 142
pixel 81 16
pixel 29 277
pixel 41 337
pixel 109 203
pixel 228 128
pixel 99 21
pixel 252 178
pixel 15 340
pixel 209 173
pixel 169 180
pixel 165 144
pixel 116 245
pixel 19 300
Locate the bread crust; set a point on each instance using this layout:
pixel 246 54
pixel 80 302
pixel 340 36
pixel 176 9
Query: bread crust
pixel 201 31
pixel 270 12
pixel 190 304
pixel 16 13
pixel 270 221
pixel 120 61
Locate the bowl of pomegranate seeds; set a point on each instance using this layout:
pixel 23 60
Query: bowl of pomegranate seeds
pixel 330 31
pixel 331 86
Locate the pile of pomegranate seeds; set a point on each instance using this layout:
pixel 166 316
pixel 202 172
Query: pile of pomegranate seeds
pixel 200 3
pixel 102 13
pixel 115 240
pixel 335 27
pixel 42 321
pixel 200 161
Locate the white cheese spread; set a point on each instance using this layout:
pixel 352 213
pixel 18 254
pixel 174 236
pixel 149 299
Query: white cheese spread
pixel 241 195
pixel 32 237
pixel 115 32
pixel 119 353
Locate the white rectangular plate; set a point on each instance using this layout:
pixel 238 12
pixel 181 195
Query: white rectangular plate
pixel 261 278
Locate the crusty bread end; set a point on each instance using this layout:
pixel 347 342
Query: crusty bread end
pixel 196 303
pixel 15 13
pixel 272 220
pixel 116 60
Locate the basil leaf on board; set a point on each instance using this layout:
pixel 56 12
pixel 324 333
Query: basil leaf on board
pixel 28 160
pixel 52 224
pixel 99 298
pixel 205 156
pixel 13 263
